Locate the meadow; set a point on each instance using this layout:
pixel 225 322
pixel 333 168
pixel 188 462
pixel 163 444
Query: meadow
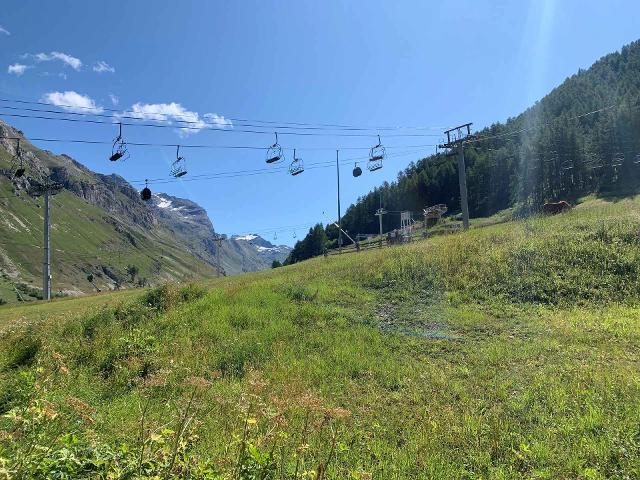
pixel 509 351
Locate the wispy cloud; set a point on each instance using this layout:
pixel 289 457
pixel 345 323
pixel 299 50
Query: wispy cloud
pixel 17 69
pixel 4 31
pixel 218 120
pixel 50 74
pixel 102 67
pixel 114 99
pixel 72 102
pixel 65 58
pixel 170 113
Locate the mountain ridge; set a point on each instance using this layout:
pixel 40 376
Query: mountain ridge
pixel 102 229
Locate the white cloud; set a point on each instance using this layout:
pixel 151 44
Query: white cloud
pixel 114 100
pixel 49 74
pixel 169 113
pixel 218 120
pixel 4 30
pixel 102 67
pixel 17 69
pixel 72 102
pixel 65 58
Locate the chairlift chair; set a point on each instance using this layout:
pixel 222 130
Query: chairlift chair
pixel 376 156
pixel 296 167
pixel 357 171
pixel 178 167
pixel 119 149
pixel 274 152
pixel 145 194
pixel 19 162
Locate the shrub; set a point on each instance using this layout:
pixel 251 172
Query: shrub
pixel 22 349
pixel 169 296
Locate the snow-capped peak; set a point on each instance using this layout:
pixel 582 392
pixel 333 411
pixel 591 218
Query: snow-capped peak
pixel 246 238
pixel 163 203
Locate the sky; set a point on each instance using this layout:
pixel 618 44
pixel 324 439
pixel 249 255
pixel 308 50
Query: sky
pixel 240 71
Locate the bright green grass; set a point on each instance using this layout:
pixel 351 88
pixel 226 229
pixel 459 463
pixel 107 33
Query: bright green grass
pixel 84 239
pixel 509 351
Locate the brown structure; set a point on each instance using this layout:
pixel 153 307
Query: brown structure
pixel 552 208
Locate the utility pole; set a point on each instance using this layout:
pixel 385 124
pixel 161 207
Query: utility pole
pixel 218 240
pixel 455 144
pixel 379 213
pixel 47 189
pixel 339 216
pixel 46 262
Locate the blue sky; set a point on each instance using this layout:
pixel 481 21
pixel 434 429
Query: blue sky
pixel 373 63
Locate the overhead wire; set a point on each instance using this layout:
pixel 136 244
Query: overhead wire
pixel 219 126
pixel 206 127
pixel 538 125
pixel 271 123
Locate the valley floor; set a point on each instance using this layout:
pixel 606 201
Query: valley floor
pixel 509 351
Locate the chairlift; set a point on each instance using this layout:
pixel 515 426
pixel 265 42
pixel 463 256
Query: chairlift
pixel 357 171
pixel 275 235
pixel 294 234
pixel 18 162
pixel 145 194
pixel 274 152
pixel 376 155
pixel 296 167
pixel 178 167
pixel 119 149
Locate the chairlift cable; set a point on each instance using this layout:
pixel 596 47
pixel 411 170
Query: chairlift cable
pixel 206 127
pixel 271 123
pixel 203 146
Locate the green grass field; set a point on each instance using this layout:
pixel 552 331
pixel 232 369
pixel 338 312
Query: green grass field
pixel 509 351
pixel 84 239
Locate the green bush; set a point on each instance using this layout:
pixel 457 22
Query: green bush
pixel 21 349
pixel 170 295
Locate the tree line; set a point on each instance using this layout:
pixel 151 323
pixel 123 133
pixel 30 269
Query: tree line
pixel 553 151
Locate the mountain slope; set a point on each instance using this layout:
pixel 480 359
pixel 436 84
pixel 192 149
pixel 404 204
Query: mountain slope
pixel 581 138
pixel 101 228
pixel 190 223
pixel 85 240
pixel 505 352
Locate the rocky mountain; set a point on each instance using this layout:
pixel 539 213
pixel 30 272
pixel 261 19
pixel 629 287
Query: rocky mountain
pixel 265 250
pixel 189 222
pixel 103 231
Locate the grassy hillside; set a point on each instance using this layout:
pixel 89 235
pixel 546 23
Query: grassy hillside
pixel 509 351
pixel 84 239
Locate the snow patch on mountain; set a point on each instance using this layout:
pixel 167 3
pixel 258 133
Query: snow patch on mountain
pixel 164 203
pixel 167 204
pixel 268 249
pixel 246 238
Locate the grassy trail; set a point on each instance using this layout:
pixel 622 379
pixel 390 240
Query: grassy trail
pixel 509 351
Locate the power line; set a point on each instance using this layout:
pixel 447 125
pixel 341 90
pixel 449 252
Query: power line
pixel 522 130
pixel 272 123
pixel 218 126
pixel 208 127
pixel 265 171
pixel 203 146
